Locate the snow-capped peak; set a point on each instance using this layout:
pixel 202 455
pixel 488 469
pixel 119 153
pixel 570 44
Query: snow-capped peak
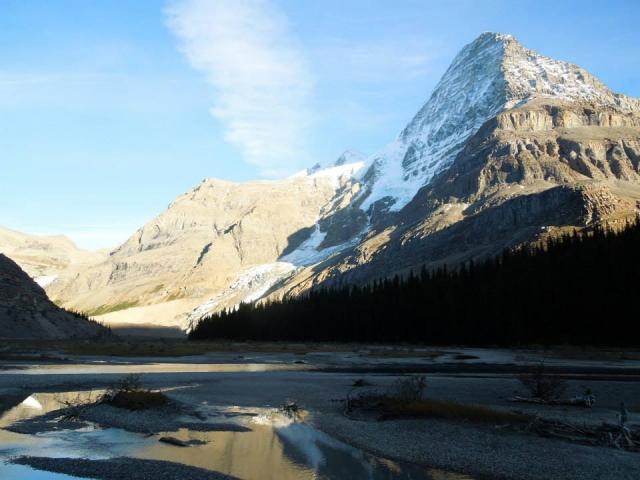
pixel 349 156
pixel 345 167
pixel 492 73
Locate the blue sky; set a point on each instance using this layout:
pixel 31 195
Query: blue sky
pixel 109 109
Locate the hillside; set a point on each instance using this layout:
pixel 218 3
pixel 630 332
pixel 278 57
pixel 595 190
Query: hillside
pixel 26 312
pixel 572 290
pixel 206 241
pixel 44 257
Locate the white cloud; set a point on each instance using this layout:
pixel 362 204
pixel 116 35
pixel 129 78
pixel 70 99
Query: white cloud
pixel 260 76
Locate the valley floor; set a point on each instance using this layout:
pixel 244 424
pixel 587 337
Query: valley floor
pixel 317 380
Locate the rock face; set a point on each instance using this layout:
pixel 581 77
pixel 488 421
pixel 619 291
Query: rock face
pixel 511 147
pixel 534 147
pixel 26 312
pixel 493 74
pixel 206 241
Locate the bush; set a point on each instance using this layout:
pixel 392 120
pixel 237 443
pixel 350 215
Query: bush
pixel 128 393
pixel 408 389
pixel 542 385
pixel 128 383
pixel 138 400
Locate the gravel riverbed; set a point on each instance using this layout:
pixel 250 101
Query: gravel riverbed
pixel 480 451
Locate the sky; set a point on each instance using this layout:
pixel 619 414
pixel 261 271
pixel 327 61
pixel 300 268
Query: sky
pixel 110 109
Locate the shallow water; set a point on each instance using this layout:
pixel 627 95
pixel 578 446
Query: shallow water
pixel 127 368
pixel 276 447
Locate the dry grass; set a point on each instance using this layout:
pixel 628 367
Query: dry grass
pixel 591 353
pixel 405 353
pixel 101 310
pixel 140 348
pixel 392 408
pixel 169 347
pixel 177 348
pixel 405 399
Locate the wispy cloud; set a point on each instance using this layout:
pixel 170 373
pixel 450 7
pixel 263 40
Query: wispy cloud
pixel 261 80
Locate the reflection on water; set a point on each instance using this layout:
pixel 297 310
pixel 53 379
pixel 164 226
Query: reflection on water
pixel 89 368
pixel 276 447
pixel 40 403
pixel 20 472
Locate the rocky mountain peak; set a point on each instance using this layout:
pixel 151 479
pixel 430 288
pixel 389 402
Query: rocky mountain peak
pixel 349 156
pixel 489 75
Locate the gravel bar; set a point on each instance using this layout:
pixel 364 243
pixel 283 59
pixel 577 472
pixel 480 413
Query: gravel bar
pixel 120 468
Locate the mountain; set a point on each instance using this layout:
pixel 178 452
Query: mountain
pixel 493 74
pixel 26 312
pixel 207 239
pixel 43 257
pixel 511 147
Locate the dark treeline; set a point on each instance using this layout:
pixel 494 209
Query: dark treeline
pixel 105 329
pixel 578 289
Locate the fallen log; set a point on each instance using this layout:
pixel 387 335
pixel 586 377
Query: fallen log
pixel 605 435
pixel 173 441
pixel 573 402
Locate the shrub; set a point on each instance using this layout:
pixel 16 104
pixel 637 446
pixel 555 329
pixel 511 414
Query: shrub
pixel 542 385
pixel 138 400
pixel 128 393
pixel 128 383
pixel 408 389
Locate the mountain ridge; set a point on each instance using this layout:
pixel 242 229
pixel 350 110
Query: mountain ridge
pixel 510 147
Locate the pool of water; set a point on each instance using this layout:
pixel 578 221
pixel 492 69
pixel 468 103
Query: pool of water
pixel 125 368
pixel 277 446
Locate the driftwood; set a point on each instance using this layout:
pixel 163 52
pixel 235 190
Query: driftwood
pixel 586 401
pixel 606 434
pixel 181 443
pixel 291 409
pixel 173 441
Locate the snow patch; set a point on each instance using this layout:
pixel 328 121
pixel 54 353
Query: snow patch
pixel 250 285
pixel 31 402
pixel 46 280
pixel 309 252
pixel 337 173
